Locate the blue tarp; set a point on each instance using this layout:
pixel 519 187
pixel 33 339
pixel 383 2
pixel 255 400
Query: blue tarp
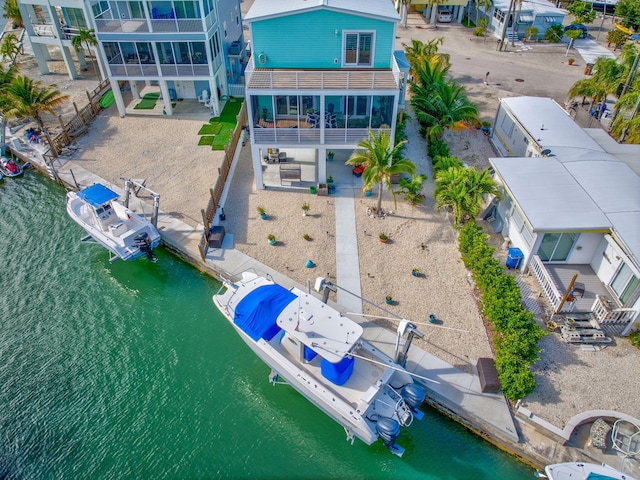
pixel 97 195
pixel 256 314
pixel 337 373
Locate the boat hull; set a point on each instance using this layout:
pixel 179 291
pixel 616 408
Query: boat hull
pixel 579 470
pixel 300 381
pixel 359 400
pixel 121 235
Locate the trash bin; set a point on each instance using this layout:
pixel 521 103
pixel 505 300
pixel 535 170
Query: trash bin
pixel 588 68
pixel 514 256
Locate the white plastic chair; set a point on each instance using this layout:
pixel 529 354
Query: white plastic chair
pixel 204 97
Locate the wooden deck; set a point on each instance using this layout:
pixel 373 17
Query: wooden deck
pixel 562 275
pixel 322 80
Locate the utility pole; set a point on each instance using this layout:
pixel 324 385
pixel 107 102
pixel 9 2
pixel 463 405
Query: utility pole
pixel 506 23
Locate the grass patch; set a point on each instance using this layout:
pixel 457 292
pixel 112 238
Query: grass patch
pixel 210 129
pixel 148 101
pixel 222 140
pixel 206 140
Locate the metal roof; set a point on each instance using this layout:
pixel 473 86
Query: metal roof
pixel 263 9
pixel 540 7
pixel 579 195
pixel 549 124
pixel 97 195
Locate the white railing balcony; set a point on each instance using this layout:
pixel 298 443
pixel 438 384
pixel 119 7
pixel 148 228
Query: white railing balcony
pixel 551 292
pixel 267 79
pixel 609 314
pixel 236 90
pixel 132 25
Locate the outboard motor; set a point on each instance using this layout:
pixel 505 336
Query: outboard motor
pixel 413 395
pixel 143 243
pixel 389 431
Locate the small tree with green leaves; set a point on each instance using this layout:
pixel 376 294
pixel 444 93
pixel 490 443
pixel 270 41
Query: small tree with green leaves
pixel 86 38
pixel 481 29
pixel 554 33
pixel 582 11
pixel 12 12
pixel 411 188
pixel 617 38
pixel 531 33
pixel 9 48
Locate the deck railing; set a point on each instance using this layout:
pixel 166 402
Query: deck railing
pixel 605 313
pixel 540 273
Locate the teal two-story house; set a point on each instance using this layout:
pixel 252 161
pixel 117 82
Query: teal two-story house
pixel 322 74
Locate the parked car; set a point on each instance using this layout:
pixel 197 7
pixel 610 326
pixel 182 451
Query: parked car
pixel 444 15
pixel 577 26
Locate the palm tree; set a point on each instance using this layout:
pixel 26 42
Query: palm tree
pixel 446 108
pixel 412 188
pixel 462 189
pixel 607 77
pixel 6 77
pixel 383 161
pixel 87 38
pixel 28 99
pixel 9 48
pixel 12 12
pixel 485 4
pixel 419 51
pixel 451 192
pixel 626 125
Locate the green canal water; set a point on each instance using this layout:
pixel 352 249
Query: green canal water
pixel 126 370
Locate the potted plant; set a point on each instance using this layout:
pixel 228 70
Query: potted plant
pixel 262 213
pixel 388 299
pixel 305 208
pixel 367 193
pixel 306 236
pixel 330 155
pixel 383 237
pixel 415 272
pixel 485 126
pixel 570 60
pixel 271 238
pixel 331 187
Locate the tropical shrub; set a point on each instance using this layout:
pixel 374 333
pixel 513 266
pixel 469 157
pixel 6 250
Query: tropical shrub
pixel 531 33
pixel 517 336
pixel 437 148
pixel 554 33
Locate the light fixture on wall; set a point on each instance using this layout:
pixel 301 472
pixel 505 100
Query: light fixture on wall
pixel 262 58
pixel 337 32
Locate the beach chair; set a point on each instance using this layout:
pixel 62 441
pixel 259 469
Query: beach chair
pixel 204 97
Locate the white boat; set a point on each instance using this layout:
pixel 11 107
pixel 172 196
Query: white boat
pixel 111 224
pixel 583 471
pixel 321 354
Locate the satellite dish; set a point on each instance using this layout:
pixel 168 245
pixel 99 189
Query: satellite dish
pixel 546 152
pixel 262 58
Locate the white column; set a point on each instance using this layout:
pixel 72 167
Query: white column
pixel 166 98
pixel 134 89
pixel 257 167
pixel 213 98
pixel 117 95
pixel 322 164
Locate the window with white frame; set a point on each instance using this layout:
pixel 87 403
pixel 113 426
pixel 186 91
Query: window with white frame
pixel 522 227
pixel 624 283
pixel 498 15
pixel 358 49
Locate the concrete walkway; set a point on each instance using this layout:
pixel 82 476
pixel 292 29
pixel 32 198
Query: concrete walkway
pixel 590 51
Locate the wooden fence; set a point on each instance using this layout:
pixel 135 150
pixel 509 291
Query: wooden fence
pixel 209 213
pixel 77 125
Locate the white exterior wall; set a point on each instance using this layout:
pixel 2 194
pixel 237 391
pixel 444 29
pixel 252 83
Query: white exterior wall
pixel 585 248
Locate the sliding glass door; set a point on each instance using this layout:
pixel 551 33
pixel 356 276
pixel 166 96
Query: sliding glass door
pixel 556 247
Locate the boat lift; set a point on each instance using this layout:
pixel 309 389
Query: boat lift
pixel 405 327
pixel 140 185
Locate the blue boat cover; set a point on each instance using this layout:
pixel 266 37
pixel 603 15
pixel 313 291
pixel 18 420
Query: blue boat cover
pixel 337 373
pixel 309 354
pixel 97 195
pixel 256 314
pixel 598 476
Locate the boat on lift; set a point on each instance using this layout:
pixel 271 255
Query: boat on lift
pixel 322 354
pixel 582 471
pixel 117 228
